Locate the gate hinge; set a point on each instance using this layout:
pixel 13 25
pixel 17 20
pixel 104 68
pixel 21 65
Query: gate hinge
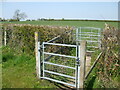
pixel 41 47
pixel 39 50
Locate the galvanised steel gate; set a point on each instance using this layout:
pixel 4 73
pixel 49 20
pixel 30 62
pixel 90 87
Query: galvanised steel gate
pixel 67 68
pixel 68 74
pixel 92 35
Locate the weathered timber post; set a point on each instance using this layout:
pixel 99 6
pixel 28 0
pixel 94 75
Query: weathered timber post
pixel 81 71
pixel 37 53
pixel 5 36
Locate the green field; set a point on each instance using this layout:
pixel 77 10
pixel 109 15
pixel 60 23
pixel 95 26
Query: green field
pixel 98 24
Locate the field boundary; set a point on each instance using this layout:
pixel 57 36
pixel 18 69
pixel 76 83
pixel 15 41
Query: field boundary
pixel 80 59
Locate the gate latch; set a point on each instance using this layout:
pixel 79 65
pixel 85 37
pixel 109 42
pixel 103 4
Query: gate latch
pixel 78 61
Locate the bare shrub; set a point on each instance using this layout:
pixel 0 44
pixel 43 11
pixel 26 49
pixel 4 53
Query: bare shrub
pixel 109 65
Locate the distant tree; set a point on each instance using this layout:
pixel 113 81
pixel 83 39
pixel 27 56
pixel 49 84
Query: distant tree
pixel 33 20
pixel 18 15
pixel 0 19
pixel 38 19
pixel 28 20
pixel 3 19
pixel 12 20
pixel 50 19
pixel 63 19
pixel 43 19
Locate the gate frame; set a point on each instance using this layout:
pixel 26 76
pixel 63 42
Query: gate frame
pixel 61 55
pixel 81 60
pixel 79 32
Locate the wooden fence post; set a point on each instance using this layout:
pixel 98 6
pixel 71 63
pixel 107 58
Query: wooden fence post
pixel 37 53
pixel 82 55
pixel 5 37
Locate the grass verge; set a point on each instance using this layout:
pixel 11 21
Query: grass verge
pixel 18 71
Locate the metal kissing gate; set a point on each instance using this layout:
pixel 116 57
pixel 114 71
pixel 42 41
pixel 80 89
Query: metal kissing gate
pixel 92 35
pixel 63 67
pixel 76 68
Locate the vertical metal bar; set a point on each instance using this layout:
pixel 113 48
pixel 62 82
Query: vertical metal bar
pixel 80 33
pixel 78 72
pixel 43 61
pixel 76 77
pixel 77 40
pixel 39 59
pixel 99 37
pixel 91 36
pixel 77 36
pixel 77 56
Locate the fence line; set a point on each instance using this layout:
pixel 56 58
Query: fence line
pixel 82 63
pixel 38 54
pixel 92 67
pixel 5 38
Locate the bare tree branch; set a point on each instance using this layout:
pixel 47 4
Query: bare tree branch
pixel 19 16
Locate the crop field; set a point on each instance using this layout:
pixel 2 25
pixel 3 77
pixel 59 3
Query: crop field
pixel 98 24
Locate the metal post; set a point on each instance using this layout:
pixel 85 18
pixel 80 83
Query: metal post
pixel 5 37
pixel 80 33
pixel 78 68
pixel 37 52
pixel 39 59
pixel 91 35
pixel 77 36
pixel 43 60
pixel 76 71
pixel 81 68
pixel 77 53
pixel 99 37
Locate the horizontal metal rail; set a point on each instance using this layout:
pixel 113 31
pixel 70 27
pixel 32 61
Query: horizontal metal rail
pixel 86 33
pixel 51 72
pixel 93 41
pixel 89 35
pixel 90 28
pixel 59 81
pixel 89 32
pixel 46 59
pixel 57 44
pixel 90 51
pixel 88 41
pixel 60 55
pixel 93 46
pixel 60 65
